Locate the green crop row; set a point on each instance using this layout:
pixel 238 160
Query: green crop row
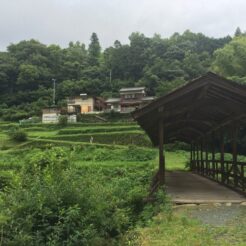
pixel 97 129
pixel 79 124
pixel 44 143
pixel 121 138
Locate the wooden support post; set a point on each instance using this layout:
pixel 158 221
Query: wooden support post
pixel 234 153
pixel 202 164
pixel 206 157
pixel 222 156
pixel 191 155
pixel 194 156
pixel 213 156
pixel 242 177
pixel 197 158
pixel 161 153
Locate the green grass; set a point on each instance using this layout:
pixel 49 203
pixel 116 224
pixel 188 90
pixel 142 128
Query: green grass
pixel 98 129
pixel 118 138
pixel 176 160
pixel 42 134
pixel 6 143
pixel 179 229
pixel 107 155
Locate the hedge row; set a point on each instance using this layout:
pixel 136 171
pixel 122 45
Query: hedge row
pixel 111 116
pixel 121 138
pixel 5 127
pixel 78 124
pixel 97 129
pixel 44 143
pixel 48 127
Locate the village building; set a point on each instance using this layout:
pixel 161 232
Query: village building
pixel 51 115
pixel 113 104
pixel 83 104
pixel 129 100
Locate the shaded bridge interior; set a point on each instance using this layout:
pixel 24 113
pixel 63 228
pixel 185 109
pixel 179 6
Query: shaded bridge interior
pixel 200 111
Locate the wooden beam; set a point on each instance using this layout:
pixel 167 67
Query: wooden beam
pixel 229 96
pixel 222 155
pixel 191 155
pixel 197 132
pixel 197 157
pixel 161 153
pixel 206 156
pixel 227 122
pixel 234 152
pixel 202 163
pixel 213 155
pixel 201 122
pixel 178 93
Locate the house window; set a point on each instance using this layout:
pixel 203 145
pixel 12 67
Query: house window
pixel 129 96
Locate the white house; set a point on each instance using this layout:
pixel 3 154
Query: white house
pixel 51 115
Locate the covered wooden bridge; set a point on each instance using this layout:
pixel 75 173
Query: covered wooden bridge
pixel 208 113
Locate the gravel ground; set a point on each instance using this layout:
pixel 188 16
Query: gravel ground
pixel 217 215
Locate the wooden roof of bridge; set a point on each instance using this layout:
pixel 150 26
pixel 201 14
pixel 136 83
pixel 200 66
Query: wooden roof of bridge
pixel 194 110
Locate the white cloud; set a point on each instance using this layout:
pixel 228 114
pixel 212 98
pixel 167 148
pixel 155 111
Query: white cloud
pixel 61 21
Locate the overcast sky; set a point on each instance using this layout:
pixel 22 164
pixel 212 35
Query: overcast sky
pixel 61 21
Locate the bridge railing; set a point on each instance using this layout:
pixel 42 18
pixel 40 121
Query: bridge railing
pixel 225 172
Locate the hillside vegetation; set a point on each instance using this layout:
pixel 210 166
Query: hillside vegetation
pixel 159 64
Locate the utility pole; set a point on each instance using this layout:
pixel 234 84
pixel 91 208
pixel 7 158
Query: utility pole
pixel 54 91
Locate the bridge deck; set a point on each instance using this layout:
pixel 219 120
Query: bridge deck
pixel 187 187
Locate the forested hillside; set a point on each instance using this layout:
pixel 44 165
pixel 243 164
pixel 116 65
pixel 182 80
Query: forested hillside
pixel 160 64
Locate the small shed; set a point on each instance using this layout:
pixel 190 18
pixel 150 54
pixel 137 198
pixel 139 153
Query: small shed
pixel 51 115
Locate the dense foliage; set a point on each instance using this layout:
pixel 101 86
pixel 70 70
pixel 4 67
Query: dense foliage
pixel 88 194
pixel 231 60
pixel 17 134
pixel 160 64
pixel 52 201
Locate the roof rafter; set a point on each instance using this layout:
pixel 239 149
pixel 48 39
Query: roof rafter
pixel 190 112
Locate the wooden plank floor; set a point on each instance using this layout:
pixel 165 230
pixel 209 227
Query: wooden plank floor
pixel 187 187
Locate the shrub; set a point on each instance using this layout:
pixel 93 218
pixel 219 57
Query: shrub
pixel 18 135
pixel 53 203
pixel 177 146
pixel 62 120
pixel 130 154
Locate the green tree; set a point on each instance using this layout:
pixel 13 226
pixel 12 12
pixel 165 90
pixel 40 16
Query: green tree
pixel 238 32
pixel 75 60
pixel 8 73
pixel 94 50
pixel 138 56
pixel 167 86
pixel 193 66
pixel 28 75
pixel 231 60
